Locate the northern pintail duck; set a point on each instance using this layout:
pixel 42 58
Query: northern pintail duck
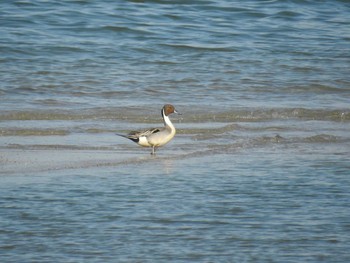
pixel 155 137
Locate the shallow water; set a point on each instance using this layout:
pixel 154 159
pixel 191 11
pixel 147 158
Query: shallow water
pixel 273 204
pixel 258 170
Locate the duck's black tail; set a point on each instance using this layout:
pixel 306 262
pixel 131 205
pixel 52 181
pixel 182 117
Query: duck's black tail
pixel 134 139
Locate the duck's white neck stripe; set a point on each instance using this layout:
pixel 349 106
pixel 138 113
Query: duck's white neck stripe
pixel 167 121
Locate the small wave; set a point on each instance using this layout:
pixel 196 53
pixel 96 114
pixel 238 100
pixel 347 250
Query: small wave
pixel 256 115
pixel 58 147
pixel 123 29
pixel 287 15
pixel 171 2
pixel 198 115
pixel 322 138
pixel 208 47
pixel 33 132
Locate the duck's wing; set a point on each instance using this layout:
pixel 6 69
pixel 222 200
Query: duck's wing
pixel 135 135
pixel 145 133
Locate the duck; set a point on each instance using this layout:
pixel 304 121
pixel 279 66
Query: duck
pixel 155 137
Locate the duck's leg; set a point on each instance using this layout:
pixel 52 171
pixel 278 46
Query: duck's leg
pixel 153 150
